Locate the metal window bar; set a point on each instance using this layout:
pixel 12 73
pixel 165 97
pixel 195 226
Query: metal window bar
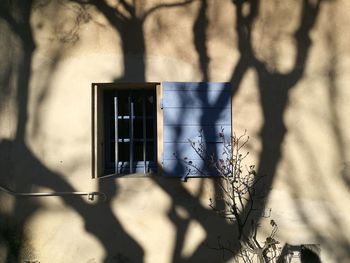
pixel 144 131
pixel 147 161
pixel 131 131
pixel 154 119
pixel 116 156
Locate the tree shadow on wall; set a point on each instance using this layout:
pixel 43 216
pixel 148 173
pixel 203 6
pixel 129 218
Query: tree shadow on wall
pixel 99 219
pixel 274 89
pixel 30 172
pixel 338 245
pixel 128 20
pixel 22 171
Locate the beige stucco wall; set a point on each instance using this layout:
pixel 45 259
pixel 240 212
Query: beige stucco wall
pixel 164 220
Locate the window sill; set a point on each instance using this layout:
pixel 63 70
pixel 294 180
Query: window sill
pixel 133 175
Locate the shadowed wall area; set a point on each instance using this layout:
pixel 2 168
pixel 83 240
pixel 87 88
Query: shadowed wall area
pixel 286 62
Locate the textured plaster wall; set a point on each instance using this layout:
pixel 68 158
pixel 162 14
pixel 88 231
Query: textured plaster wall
pixel 164 220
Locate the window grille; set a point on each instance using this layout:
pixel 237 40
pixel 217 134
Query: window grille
pixel 129 131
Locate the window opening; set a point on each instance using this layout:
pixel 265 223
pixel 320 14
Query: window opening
pixel 129 131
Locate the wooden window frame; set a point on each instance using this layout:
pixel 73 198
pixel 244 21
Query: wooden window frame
pixel 98 125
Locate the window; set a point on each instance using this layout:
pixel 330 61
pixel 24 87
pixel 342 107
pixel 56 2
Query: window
pixel 129 129
pixel 124 129
pixel 144 128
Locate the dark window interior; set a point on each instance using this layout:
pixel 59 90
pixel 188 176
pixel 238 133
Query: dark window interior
pixel 129 131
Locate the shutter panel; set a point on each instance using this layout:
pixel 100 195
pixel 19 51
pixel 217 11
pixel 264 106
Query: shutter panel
pixel 188 109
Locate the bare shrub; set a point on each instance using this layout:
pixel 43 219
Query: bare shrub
pixel 238 183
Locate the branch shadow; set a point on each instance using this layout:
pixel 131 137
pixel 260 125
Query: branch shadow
pixel 274 87
pixel 99 219
pixel 30 173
